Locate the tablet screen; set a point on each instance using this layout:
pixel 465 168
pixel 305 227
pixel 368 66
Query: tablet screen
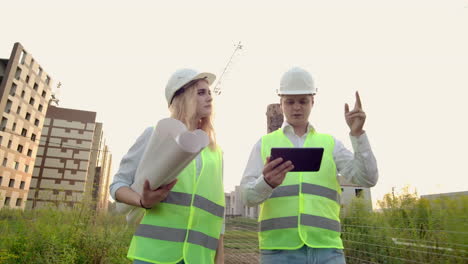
pixel 303 159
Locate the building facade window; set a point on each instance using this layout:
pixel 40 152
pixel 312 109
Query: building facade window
pixel 16 165
pixel 28 116
pixel 19 148
pixel 9 144
pixel 26 168
pixel 358 192
pixel 33 137
pixel 3 124
pixel 5 161
pixel 11 184
pixel 31 101
pixel 36 122
pixel 19 201
pixel 18 73
pixel 23 56
pixel 29 152
pixel 22 94
pixel 13 89
pixel 7 201
pixel 8 106
pixel 13 128
pixel 22 184
pixel 24 132
pixel 18 110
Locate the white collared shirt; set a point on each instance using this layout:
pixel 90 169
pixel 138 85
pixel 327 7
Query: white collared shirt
pixel 125 176
pixel 359 168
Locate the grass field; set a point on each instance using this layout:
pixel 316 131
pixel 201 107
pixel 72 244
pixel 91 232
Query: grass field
pixel 407 230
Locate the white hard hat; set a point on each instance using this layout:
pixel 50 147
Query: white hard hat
pixel 182 77
pixel 296 81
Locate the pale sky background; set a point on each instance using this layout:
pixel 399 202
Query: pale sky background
pixel 408 59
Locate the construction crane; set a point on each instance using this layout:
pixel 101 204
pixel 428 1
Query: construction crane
pixel 217 87
pixel 55 95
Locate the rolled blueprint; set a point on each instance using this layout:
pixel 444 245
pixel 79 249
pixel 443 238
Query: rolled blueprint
pixel 170 149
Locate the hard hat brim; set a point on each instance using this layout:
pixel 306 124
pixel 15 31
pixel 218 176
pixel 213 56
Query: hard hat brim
pixel 209 77
pixel 296 92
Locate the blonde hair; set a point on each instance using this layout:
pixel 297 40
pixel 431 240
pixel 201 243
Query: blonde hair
pixel 184 108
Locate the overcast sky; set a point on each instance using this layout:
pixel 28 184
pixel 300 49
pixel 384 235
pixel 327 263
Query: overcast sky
pixel 408 59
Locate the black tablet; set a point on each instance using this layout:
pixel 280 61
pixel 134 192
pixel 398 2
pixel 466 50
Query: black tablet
pixel 303 159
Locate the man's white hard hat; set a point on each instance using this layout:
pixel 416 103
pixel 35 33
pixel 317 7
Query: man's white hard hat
pixel 182 77
pixel 296 81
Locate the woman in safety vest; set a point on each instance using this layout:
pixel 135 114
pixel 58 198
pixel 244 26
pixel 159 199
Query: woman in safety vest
pixel 183 222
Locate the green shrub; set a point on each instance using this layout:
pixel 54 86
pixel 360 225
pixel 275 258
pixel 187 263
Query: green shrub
pixel 49 235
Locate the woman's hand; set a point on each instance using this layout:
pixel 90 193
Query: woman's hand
pixel 149 198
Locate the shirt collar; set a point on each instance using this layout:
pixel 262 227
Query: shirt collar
pixel 286 127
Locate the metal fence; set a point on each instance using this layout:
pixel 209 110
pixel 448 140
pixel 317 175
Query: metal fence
pixel 364 242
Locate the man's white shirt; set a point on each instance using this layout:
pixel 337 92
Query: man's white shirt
pixel 359 168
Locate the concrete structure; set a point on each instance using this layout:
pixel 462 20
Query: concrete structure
pixel 445 195
pixel 98 179
pixel 73 161
pixel 274 117
pixel 235 207
pixel 350 191
pixel 25 90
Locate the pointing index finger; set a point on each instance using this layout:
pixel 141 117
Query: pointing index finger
pixel 358 101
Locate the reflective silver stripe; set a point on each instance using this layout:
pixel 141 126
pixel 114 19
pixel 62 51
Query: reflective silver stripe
pixel 291 222
pixel 161 233
pixel 321 222
pixel 203 240
pixel 307 188
pixel 185 199
pixel 178 198
pixel 209 206
pixel 176 235
pixel 289 190
pixel 320 191
pixel 278 223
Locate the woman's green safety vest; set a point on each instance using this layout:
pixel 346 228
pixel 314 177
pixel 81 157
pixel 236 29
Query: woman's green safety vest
pixel 305 208
pixel 187 224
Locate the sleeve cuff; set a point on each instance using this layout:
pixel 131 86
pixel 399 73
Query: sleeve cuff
pixel 263 188
pixel 360 143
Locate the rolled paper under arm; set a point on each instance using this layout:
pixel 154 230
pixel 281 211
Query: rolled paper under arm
pixel 170 149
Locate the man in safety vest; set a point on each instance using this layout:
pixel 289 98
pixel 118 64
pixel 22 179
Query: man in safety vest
pixel 299 216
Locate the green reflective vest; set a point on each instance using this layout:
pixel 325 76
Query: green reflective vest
pixel 187 224
pixel 305 208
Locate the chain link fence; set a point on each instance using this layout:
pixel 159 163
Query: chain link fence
pixel 365 241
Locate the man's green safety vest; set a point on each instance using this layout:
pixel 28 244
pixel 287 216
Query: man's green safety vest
pixel 187 224
pixel 305 208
